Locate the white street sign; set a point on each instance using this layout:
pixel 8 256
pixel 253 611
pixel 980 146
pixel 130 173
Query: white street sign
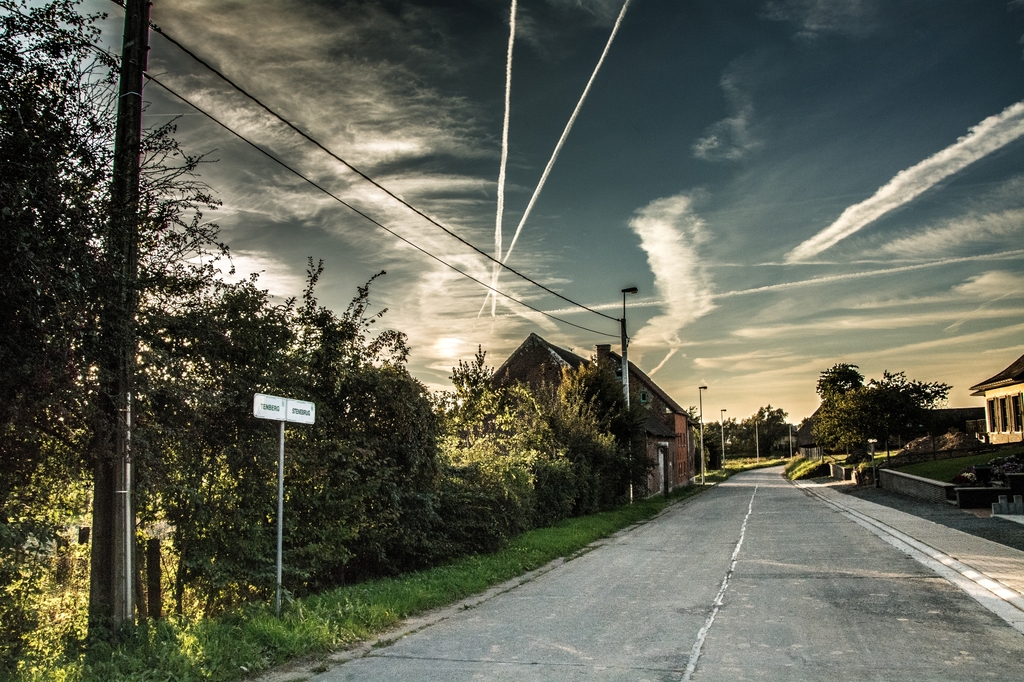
pixel 269 407
pixel 283 409
pixel 301 411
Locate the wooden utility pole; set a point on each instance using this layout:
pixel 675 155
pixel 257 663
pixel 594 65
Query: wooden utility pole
pixel 112 593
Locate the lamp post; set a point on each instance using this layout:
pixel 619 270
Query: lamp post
pixel 721 422
pixel 757 442
pixel 624 339
pixel 874 466
pixel 625 374
pixel 700 401
pixel 791 441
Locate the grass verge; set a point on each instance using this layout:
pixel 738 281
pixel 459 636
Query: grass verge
pixel 251 639
pixel 801 467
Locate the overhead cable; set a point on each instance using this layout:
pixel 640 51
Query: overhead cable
pixel 367 178
pixel 369 218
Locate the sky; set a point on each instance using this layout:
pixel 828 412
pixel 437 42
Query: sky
pixel 789 183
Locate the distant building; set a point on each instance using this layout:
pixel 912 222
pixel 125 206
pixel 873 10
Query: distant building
pixel 670 446
pixel 1004 394
pixel 966 419
pixel 806 444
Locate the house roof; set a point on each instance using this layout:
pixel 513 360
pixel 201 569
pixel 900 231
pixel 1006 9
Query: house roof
pixel 649 384
pixel 1011 375
pixel 805 434
pixel 516 365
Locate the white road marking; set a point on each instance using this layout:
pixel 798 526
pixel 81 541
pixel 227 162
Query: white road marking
pixel 717 604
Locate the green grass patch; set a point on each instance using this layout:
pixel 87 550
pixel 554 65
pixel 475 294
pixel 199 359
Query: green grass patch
pixel 801 467
pixel 945 470
pixel 251 639
pixel 746 463
pixel 734 466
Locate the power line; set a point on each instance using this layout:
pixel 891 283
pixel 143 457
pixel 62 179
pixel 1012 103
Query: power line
pixel 366 177
pixel 360 213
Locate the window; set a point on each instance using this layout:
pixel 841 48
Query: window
pixel 644 397
pixel 992 426
pixel 1004 423
pixel 1017 426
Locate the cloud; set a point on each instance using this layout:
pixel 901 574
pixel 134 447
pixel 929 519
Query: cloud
pixel 985 287
pixel 275 276
pixel 988 136
pixel 748 362
pixel 996 284
pixel 729 139
pixel 814 281
pixel 358 60
pixel 816 18
pixel 1001 228
pixel 603 11
pixel 670 233
pixel 830 326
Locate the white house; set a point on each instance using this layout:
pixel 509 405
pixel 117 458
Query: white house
pixel 1004 394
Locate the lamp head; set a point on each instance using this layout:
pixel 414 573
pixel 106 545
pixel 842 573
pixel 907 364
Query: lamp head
pixel 702 388
pixel 630 290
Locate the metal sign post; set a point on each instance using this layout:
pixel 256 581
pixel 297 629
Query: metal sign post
pixel 281 410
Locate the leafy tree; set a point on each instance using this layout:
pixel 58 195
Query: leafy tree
pixel 852 412
pixel 843 420
pixel 770 427
pixel 53 175
pixel 841 378
pixel 602 439
pixel 543 455
pixel 898 406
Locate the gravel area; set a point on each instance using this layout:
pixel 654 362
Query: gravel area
pixel 998 530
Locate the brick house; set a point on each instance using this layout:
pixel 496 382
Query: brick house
pixel 669 443
pixel 1004 395
pixel 536 362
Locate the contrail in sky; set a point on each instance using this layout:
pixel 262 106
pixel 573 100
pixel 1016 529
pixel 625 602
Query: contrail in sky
pixel 551 161
pixel 870 273
pixel 565 133
pixel 504 156
pixel 988 136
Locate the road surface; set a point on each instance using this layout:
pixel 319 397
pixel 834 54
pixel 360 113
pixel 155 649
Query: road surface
pixel 755 579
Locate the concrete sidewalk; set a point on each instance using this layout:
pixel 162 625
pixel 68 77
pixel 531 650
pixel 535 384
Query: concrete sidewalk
pixel 991 573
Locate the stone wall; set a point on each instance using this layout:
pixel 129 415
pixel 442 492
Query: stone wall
pixel 915 486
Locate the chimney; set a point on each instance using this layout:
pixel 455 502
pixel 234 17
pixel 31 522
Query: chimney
pixel 603 351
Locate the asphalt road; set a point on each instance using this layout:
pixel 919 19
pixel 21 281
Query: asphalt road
pixel 755 579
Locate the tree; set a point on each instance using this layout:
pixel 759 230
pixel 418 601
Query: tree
pixel 53 177
pixel 898 406
pixel 840 378
pixel 770 427
pixel 851 412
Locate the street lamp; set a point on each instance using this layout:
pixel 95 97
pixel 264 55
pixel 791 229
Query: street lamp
pixel 721 422
pixel 700 401
pixel 625 374
pixel 625 343
pixel 757 443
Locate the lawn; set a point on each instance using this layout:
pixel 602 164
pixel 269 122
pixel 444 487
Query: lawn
pixel 946 469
